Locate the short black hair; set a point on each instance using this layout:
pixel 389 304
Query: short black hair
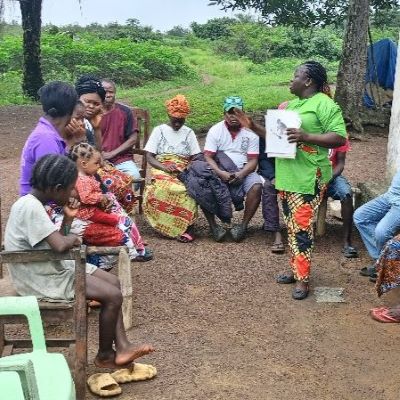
pixel 58 98
pixel 89 83
pixel 52 170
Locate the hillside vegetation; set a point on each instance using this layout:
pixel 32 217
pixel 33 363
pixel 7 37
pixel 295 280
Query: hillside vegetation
pixel 222 57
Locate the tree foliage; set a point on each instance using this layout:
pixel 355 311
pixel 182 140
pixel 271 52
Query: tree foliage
pixel 301 13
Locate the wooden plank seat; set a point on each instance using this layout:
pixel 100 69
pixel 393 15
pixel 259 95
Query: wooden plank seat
pixel 323 209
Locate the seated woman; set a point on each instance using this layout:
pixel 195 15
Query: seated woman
pixel 58 100
pixel 170 148
pixel 29 227
pixel 101 221
pixel 116 181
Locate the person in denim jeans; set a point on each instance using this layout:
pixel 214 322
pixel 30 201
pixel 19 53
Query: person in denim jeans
pixel 339 189
pixel 378 221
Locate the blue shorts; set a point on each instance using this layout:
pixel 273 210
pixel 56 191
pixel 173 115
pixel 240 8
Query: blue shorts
pixel 250 180
pixel 339 188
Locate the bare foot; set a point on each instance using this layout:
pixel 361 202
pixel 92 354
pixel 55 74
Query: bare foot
pixel 109 362
pixel 131 353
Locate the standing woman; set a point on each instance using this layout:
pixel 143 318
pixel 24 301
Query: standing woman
pixel 302 181
pixel 58 100
pixel 92 94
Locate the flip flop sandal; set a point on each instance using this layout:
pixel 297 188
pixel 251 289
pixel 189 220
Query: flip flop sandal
pixel 238 233
pixel 381 314
pixel 299 294
pixel 218 233
pixel 285 279
pixel 138 372
pixel 373 278
pixel 278 248
pixel 368 271
pixel 103 385
pixel 147 256
pixel 350 252
pixel 185 238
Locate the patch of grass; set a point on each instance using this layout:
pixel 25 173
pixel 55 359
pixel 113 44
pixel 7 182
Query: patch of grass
pixel 217 77
pixel 10 83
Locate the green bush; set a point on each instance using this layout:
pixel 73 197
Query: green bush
pixel 124 61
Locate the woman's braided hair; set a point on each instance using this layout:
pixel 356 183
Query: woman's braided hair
pixel 317 73
pixel 90 84
pixel 52 170
pixel 81 151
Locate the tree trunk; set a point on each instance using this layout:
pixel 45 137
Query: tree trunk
pixel 393 149
pixel 31 24
pixel 350 79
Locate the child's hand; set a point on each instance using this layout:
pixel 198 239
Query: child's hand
pixel 106 203
pixel 71 209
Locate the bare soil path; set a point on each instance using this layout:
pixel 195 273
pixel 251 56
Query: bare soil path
pixel 224 329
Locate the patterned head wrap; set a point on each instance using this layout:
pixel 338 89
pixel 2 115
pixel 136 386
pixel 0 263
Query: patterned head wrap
pixel 90 84
pixel 178 106
pixel 233 102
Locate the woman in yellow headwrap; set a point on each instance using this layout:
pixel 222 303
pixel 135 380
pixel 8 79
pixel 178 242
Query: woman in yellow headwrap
pixel 171 146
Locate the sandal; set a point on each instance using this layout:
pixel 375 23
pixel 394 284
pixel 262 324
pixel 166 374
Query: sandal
pixel 103 385
pixel 146 256
pixel 185 238
pixel 300 294
pixel 285 279
pixel 368 271
pixel 278 248
pixel 218 233
pixel 381 314
pixel 137 372
pixel 350 252
pixel 238 232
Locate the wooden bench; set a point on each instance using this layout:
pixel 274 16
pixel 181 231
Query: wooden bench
pixel 62 313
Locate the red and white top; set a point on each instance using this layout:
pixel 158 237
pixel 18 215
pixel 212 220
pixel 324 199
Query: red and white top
pixel 239 147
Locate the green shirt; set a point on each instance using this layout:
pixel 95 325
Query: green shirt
pixel 319 114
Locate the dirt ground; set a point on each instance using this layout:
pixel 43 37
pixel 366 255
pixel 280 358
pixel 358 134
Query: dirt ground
pixel 224 329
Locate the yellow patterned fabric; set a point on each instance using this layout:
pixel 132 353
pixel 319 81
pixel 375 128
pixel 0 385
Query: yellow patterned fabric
pixel 166 204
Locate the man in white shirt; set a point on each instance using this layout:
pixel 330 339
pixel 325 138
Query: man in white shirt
pixel 242 147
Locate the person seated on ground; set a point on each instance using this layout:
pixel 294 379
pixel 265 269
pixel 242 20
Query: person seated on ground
pixel 388 278
pixel 242 147
pixel 339 189
pixel 29 227
pixel 378 221
pixel 170 149
pixel 100 220
pixel 302 181
pixel 269 199
pixel 58 100
pixel 119 131
pixel 92 94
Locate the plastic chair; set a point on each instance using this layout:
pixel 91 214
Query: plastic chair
pixel 11 387
pixel 50 370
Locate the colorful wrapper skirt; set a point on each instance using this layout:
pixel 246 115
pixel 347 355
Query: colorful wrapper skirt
pixel 166 204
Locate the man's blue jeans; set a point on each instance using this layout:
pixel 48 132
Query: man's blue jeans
pixel 377 221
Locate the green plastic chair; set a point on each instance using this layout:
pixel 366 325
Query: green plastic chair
pixel 11 386
pixel 43 375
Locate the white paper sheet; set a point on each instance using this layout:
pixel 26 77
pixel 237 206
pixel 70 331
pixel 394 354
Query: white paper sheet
pixel 276 123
